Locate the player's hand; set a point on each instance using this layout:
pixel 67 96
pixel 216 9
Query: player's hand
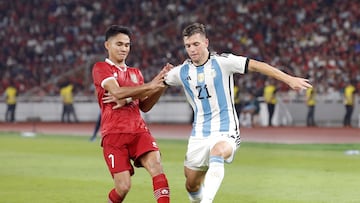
pixel 108 98
pixel 167 68
pixel 297 83
pixel 158 80
pixel 163 72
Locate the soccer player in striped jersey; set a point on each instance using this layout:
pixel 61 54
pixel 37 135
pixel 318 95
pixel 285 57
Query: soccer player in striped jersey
pixel 207 80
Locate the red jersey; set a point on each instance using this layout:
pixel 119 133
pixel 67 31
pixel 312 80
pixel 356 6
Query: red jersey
pixel 126 119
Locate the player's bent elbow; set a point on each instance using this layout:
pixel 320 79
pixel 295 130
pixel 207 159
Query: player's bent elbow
pixel 145 108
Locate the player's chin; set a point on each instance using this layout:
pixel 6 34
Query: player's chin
pixel 195 59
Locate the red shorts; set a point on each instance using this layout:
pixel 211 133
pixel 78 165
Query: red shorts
pixel 119 149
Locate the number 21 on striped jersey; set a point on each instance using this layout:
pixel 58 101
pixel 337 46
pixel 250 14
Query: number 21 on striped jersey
pixel 203 92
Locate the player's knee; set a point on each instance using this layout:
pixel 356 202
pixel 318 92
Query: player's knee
pixel 152 163
pixel 155 168
pixel 192 187
pixel 222 149
pixel 123 187
pixel 122 183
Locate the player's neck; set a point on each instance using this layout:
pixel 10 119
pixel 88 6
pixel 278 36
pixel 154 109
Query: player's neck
pixel 118 63
pixel 203 61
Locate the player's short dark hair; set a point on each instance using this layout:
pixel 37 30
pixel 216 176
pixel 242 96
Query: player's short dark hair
pixel 194 29
pixel 116 29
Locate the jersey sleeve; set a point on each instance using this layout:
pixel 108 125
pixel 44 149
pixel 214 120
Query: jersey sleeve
pixel 173 76
pixel 234 63
pixel 100 74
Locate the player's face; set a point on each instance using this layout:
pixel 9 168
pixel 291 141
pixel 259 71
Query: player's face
pixel 196 47
pixel 118 48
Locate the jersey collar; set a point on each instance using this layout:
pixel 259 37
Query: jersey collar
pixel 210 54
pixel 113 64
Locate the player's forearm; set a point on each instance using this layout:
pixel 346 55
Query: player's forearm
pixel 269 70
pixel 151 99
pixel 135 92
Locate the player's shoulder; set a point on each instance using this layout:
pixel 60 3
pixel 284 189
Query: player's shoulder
pixel 221 55
pixel 229 58
pixel 101 64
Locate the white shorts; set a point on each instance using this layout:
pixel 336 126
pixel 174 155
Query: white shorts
pixel 198 150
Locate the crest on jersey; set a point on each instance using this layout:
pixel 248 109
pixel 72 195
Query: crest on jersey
pixel 115 75
pixel 134 78
pixel 201 77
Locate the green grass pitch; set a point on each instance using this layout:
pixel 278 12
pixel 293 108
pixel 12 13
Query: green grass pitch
pixel 66 169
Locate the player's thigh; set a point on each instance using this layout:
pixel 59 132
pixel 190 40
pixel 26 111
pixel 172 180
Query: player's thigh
pixel 197 154
pixel 225 145
pixel 222 148
pixel 151 161
pixel 117 159
pixel 142 145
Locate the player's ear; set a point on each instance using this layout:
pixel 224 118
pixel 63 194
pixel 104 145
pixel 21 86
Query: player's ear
pixel 106 45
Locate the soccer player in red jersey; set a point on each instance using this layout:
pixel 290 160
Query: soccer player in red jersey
pixel 122 93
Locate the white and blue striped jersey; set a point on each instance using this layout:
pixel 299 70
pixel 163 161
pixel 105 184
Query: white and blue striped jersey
pixel 209 89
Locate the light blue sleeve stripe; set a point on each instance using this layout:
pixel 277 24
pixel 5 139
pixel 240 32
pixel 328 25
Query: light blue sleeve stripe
pixel 221 97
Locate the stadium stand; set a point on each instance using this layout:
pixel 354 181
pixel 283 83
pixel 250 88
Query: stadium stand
pixel 44 42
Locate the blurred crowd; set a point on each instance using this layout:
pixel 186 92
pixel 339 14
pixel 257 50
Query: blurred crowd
pixel 45 40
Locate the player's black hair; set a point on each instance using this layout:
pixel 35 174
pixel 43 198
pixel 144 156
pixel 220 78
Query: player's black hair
pixel 116 29
pixel 193 29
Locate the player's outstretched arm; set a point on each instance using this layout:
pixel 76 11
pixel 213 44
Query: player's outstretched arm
pixel 152 96
pixel 296 83
pixel 135 92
